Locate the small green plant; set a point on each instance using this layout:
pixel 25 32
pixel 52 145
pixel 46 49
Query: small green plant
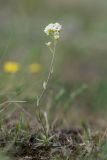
pixel 53 31
pixel 45 140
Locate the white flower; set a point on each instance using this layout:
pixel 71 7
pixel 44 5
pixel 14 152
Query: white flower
pixel 48 44
pixel 56 35
pixel 57 27
pixel 53 29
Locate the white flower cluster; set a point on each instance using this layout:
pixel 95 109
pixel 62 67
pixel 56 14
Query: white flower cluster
pixel 53 29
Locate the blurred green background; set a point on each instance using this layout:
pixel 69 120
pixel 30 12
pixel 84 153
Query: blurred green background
pixel 80 75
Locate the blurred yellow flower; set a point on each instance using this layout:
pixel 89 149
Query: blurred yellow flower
pixel 34 68
pixel 11 67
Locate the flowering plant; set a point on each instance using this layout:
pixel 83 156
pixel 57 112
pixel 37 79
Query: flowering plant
pixel 53 31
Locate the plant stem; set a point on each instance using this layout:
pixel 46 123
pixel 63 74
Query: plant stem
pixel 53 51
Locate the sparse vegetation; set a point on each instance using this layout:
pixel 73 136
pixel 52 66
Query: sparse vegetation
pixel 46 116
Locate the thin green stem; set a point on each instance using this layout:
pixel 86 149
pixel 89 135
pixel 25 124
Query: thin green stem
pixel 50 71
pixel 53 51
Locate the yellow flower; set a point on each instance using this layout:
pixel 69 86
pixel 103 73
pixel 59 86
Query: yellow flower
pixel 11 67
pixel 34 68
